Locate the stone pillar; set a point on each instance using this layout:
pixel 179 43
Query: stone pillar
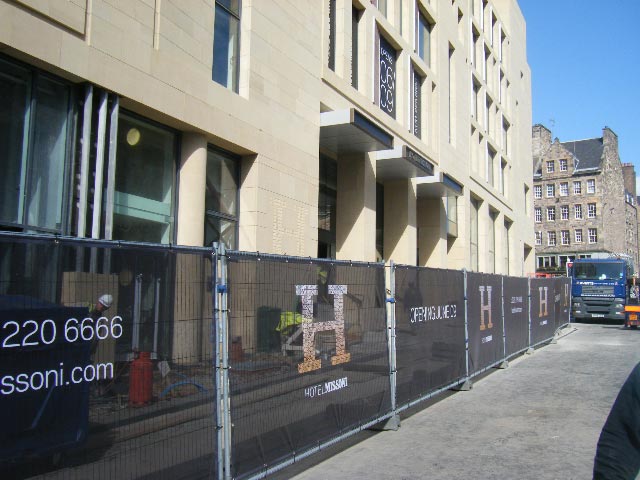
pixel 356 209
pixel 191 324
pixel 432 233
pixel 400 232
pixel 193 172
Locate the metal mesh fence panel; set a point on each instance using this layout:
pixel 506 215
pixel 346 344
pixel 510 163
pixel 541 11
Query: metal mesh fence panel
pixel 105 361
pixel 543 323
pixel 309 355
pixel 516 314
pixel 484 314
pixel 562 301
pixel 430 340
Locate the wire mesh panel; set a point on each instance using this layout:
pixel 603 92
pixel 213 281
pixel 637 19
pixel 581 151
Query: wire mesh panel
pixel 485 322
pixel 543 323
pixel 105 361
pixel 516 314
pixel 430 341
pixel 562 300
pixel 308 357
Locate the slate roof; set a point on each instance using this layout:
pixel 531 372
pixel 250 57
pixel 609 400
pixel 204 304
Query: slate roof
pixel 588 152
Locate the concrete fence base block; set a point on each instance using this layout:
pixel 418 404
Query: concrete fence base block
pixel 392 423
pixel 530 351
pixel 463 387
pixel 502 365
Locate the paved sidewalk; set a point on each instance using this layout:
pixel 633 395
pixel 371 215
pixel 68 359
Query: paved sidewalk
pixel 538 419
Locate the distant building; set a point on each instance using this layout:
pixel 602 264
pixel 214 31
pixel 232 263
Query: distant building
pixel 585 203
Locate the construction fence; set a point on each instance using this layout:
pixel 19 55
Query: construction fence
pixel 123 360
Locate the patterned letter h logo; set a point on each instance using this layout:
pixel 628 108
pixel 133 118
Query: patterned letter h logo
pixel 485 308
pixel 544 304
pixel 310 328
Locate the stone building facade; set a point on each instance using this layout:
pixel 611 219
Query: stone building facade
pixel 349 129
pixel 584 200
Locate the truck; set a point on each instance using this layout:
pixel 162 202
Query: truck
pixel 600 288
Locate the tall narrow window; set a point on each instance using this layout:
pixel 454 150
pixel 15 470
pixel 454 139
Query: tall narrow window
pixel 332 35
pixel 327 201
pixel 452 103
pixel 452 216
pixel 355 19
pixel 221 201
pixel 424 38
pixel 491 237
pixel 507 247
pixel 491 156
pixel 34 139
pixel 226 43
pixel 416 104
pixel 473 242
pixel 387 77
pixel 475 99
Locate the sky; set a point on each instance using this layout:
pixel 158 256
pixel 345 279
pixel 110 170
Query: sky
pixel 585 70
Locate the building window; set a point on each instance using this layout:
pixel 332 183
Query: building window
pixel 327 201
pixel 537 214
pixel 593 235
pixel 451 97
pixel 564 212
pixel 577 212
pixel 578 235
pixel 551 214
pixel 143 210
pixel 425 27
pixel 473 242
pixel 551 190
pixel 551 239
pixel 550 166
pixel 564 237
pixel 591 186
pixel 547 262
pixel 452 216
pixel 416 104
pixel 537 191
pixel 577 188
pixel 491 242
pixel 355 19
pixel 564 189
pixel 563 165
pixel 35 129
pixel 475 92
pixel 221 201
pixel 331 63
pixel 491 157
pixel 538 238
pixel 387 78
pixel 226 43
pixel 382 6
pixel 591 210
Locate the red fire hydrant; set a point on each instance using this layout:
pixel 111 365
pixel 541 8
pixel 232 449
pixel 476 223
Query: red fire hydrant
pixel 141 380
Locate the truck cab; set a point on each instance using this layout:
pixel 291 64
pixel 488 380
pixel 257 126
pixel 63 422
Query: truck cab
pixel 599 288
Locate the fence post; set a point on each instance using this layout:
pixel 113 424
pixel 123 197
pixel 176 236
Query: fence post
pixel 505 362
pixel 530 350
pixel 392 423
pixel 221 351
pixel 467 384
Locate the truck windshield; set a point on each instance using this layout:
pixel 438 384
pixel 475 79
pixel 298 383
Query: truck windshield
pixel 598 271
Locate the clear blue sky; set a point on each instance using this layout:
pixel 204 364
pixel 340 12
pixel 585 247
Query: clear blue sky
pixel 585 69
